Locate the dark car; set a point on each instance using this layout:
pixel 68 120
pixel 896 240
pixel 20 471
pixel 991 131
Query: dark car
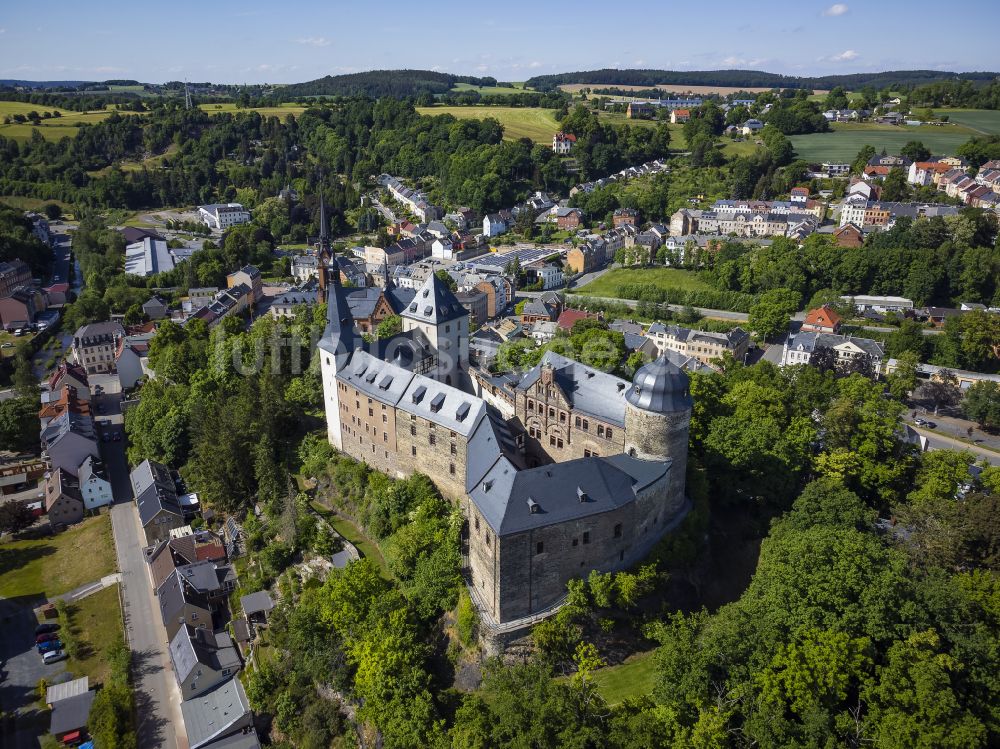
pixel 47 637
pixel 41 629
pixel 118 437
pixel 44 647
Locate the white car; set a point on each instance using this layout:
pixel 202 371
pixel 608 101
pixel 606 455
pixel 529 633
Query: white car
pixel 54 656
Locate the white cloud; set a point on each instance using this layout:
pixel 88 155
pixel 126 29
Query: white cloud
pixel 314 41
pixel 534 64
pixel 743 62
pixel 837 9
pixel 3 31
pixel 846 56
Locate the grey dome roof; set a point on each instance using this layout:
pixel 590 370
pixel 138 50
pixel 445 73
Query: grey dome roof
pixel 660 386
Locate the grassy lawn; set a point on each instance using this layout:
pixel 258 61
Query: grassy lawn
pixel 846 139
pixel 29 204
pixel 60 563
pixel 632 678
pixel 352 533
pixel 518 122
pixel 96 626
pixel 667 278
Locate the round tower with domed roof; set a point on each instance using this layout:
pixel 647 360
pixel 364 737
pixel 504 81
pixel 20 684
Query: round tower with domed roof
pixel 657 417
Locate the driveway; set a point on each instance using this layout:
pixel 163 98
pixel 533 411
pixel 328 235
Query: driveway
pixel 22 668
pixel 158 700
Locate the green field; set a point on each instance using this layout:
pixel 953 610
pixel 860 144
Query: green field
pixel 986 121
pixel 58 564
pixel 52 129
pixel 846 139
pixel 278 111
pixel 95 626
pixel 517 88
pixel 667 278
pixel 518 122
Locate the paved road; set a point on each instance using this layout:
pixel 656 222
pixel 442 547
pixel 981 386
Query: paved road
pixel 158 701
pixel 936 441
pixel 719 314
pixel 386 212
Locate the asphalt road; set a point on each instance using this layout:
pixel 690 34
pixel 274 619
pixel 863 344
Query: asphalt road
pixel 937 441
pixel 158 701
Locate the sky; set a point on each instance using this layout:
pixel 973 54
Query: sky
pixel 286 42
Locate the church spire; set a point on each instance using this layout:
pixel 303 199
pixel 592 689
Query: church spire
pixel 387 282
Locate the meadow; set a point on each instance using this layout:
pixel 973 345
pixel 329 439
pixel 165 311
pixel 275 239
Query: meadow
pixel 66 125
pixel 665 278
pixel 518 122
pixel 230 106
pixel 845 140
pixel 514 88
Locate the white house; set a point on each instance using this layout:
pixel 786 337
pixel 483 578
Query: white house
pixel 223 215
pixel 751 127
pixel 94 485
pixel 304 267
pixel 799 349
pixel 562 143
pixel 494 224
pixel 443 249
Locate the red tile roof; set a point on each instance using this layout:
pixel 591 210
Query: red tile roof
pixel 570 316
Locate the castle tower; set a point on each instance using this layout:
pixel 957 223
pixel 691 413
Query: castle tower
pixel 657 417
pixel 444 322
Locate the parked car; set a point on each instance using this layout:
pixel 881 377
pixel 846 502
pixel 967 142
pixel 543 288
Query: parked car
pixel 107 436
pixel 118 437
pixel 44 647
pixel 53 656
pixel 47 637
pixel 41 629
pixel 919 422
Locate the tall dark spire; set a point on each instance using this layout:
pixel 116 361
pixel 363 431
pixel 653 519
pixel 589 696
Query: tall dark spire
pixel 387 282
pixel 324 237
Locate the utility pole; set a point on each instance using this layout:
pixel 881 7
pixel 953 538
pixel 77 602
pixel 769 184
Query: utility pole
pixel 187 96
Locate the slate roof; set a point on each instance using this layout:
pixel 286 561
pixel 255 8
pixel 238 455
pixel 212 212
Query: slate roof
pixel 434 303
pixel 442 404
pixel 71 713
pixel 173 594
pixel 338 336
pixel 379 379
pixel 154 490
pixel 363 301
pixel 215 713
pixel 809 342
pixel 205 576
pixel 192 647
pixel 589 390
pixel 255 603
pixel 514 501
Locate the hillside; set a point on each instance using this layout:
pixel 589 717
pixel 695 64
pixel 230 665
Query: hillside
pixel 377 83
pixel 750 78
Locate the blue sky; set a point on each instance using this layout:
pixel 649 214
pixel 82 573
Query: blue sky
pixel 251 41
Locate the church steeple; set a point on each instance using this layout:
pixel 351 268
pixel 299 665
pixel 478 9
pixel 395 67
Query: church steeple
pixel 387 283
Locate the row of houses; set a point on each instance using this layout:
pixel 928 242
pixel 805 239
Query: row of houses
pixel 415 201
pixel 868 214
pixel 191 573
pixel 75 481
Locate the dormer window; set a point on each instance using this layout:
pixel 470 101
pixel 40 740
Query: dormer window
pixel 533 507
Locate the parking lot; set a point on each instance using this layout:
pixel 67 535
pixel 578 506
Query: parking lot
pixel 21 670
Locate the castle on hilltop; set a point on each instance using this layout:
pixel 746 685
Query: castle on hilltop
pixel 588 473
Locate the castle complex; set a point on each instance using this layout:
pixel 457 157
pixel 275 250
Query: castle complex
pixel 587 474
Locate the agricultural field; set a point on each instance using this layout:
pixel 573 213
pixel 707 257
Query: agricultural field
pixel 846 139
pixel 666 278
pixel 986 121
pixel 516 88
pixel 674 88
pixel 518 122
pixel 55 128
pixel 278 111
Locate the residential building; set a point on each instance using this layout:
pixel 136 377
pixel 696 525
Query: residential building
pixel 222 216
pixel 95 489
pixel 63 503
pixel 495 224
pixel 72 375
pixel 570 317
pixel 835 169
pixel 202 659
pixel 304 267
pixel 628 216
pixel 248 276
pixel 548 274
pixel 182 606
pixel 68 440
pixel 156 498
pixel 751 127
pixel 415 201
pixel 13 274
pixel 801 347
pixel 217 715
pixel 702 345
pixel 155 308
pixel 94 346
pixel 823 319
pixel 848 235
pixel 680 116
pixel 131 362
pixel 543 331
pixel 20 307
pixel 562 143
